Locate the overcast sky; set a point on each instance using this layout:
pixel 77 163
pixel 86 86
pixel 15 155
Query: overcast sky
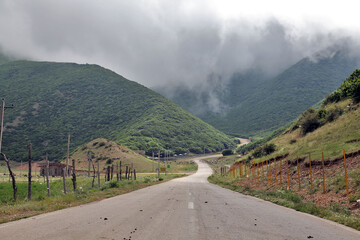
pixel 166 41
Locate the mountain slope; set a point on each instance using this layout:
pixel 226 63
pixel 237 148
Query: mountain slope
pixel 52 99
pixel 253 105
pixel 330 129
pixel 282 99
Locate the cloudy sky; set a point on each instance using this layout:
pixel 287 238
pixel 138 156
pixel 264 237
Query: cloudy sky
pixel 157 42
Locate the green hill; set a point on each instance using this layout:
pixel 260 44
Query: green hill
pixel 108 153
pixel 330 129
pixel 255 106
pixel 53 99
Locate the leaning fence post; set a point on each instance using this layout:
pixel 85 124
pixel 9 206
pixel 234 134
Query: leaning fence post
pixel 323 171
pixel 346 177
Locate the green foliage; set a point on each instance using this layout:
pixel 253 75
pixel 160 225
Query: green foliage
pixel 264 150
pixel 53 99
pixel 227 152
pixel 313 119
pixel 349 88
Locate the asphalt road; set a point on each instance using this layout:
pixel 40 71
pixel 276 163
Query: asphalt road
pixel 186 208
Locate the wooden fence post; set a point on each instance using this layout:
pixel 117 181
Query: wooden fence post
pixel 74 175
pixel 47 175
pixel 267 171
pixel 346 177
pixel 276 182
pixel 262 168
pixel 287 169
pixel 108 174
pixel 98 172
pixel 64 180
pixel 134 174
pixel 258 170
pixel 117 172
pixel 29 174
pixel 311 182
pixel 12 176
pixel 323 171
pixel 280 171
pixel 112 171
pixel 298 168
pixel 120 171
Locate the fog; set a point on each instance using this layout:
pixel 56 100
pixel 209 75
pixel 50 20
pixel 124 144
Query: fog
pixel 165 43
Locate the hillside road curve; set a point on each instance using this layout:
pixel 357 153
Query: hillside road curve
pixel 184 208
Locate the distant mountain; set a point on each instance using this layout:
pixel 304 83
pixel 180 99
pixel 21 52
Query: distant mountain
pixel 53 99
pixel 253 105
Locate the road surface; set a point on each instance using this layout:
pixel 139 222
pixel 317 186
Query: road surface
pixel 186 208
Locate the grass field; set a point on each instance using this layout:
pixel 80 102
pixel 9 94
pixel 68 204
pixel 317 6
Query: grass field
pixel 40 202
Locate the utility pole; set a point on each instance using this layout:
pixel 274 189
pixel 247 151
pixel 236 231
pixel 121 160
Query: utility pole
pixel 67 156
pixel 2 120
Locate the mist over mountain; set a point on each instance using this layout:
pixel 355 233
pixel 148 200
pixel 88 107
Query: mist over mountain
pixel 252 103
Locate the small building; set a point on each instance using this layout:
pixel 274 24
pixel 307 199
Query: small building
pixel 55 169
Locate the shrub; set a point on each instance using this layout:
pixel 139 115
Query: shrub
pixel 309 121
pixel 101 144
pixel 227 152
pixel 258 152
pixel 334 114
pixel 109 161
pixel 269 148
pixel 292 141
pixel 114 184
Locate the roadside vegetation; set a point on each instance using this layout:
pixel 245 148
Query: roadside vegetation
pixel 279 169
pixel 40 202
pixel 338 212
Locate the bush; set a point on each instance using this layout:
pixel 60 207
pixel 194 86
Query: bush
pixel 101 144
pixel 227 152
pixel 334 114
pixel 109 161
pixel 258 152
pixel 269 148
pixel 349 88
pixel 309 121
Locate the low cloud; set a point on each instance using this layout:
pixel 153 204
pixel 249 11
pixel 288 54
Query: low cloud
pixel 158 43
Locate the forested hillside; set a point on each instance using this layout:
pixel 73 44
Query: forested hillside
pixel 88 101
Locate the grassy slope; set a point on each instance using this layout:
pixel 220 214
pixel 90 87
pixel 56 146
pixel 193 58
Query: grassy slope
pixel 89 101
pixel 108 153
pixel 331 138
